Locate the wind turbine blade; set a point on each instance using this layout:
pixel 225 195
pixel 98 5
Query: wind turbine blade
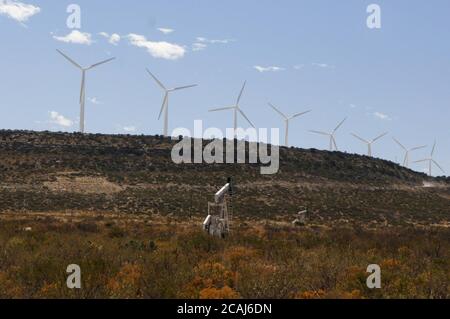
pixel 417 148
pixel 379 137
pixel 321 133
pixel 245 116
pixel 100 63
pixel 436 163
pixel 157 81
pixel 70 60
pixel 421 161
pixel 434 149
pixel 184 87
pixel 164 105
pixel 340 124
pixel 223 109
pixel 299 114
pixel 278 111
pixel 240 94
pixel 360 138
pixel 400 144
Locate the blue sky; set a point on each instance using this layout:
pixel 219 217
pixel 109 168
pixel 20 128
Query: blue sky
pixel 317 55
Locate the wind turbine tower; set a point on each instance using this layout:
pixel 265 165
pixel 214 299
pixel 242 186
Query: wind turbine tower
pixel 332 136
pixel 431 161
pixel 165 104
pixel 369 143
pixel 83 85
pixel 287 119
pixel 236 109
pixel 407 151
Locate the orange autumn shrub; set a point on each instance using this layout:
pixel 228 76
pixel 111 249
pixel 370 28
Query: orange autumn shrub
pixel 354 294
pixel 222 293
pixel 209 275
pixel 397 279
pixel 405 252
pixel 8 288
pixel 125 284
pixel 390 264
pixel 215 274
pixel 314 294
pixel 236 256
pixel 49 291
pixel 355 279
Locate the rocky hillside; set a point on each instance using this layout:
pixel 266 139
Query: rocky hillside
pixel 48 172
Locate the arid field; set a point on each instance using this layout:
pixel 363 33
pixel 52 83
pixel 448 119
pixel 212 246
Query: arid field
pixel 131 219
pixel 159 257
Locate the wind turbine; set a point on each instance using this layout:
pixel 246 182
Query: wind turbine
pixel 332 136
pixel 431 161
pixel 407 151
pixel 83 84
pixel 236 109
pixel 369 143
pixel 287 119
pixel 165 104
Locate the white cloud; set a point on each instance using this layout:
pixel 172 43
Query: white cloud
pixel 94 100
pixel 162 49
pixel 199 46
pixel 18 11
pixel 202 43
pixel 76 37
pixel 129 129
pixel 353 106
pixel 323 65
pixel 268 68
pixel 382 116
pixel 58 119
pixel 166 30
pixel 299 66
pixel 205 40
pixel 114 38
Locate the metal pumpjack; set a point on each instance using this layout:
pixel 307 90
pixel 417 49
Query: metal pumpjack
pixel 220 212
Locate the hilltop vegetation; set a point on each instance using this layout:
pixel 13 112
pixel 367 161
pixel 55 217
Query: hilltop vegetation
pixel 45 171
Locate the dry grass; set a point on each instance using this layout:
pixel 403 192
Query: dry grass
pixel 139 256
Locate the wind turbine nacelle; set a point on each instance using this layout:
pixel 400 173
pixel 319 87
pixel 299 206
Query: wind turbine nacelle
pixel 220 194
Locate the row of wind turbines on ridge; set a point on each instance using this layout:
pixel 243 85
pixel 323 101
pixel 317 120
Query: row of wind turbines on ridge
pixel 237 110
